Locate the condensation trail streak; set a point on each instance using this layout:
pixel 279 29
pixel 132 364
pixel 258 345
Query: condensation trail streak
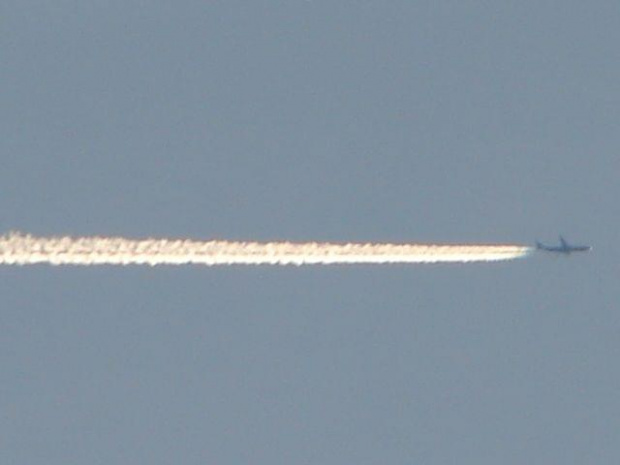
pixel 24 249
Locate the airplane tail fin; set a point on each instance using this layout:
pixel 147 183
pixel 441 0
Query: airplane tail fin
pixel 539 245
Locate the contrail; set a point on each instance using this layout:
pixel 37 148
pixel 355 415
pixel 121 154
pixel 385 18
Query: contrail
pixel 24 249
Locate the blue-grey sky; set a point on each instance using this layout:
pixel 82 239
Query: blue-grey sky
pixel 446 121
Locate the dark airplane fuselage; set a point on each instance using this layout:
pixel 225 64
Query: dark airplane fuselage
pixel 564 248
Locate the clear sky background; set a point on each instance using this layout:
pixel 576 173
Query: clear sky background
pixel 451 121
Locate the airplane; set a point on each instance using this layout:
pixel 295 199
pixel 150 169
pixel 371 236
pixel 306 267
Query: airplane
pixel 564 247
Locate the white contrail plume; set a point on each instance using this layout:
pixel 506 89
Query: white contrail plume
pixel 23 249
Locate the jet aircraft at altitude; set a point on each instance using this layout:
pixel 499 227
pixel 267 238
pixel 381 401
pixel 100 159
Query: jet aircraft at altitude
pixel 564 247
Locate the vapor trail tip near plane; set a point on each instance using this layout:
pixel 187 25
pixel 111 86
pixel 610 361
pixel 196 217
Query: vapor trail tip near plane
pixel 24 249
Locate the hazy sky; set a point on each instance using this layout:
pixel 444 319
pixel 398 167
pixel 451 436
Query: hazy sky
pixel 405 121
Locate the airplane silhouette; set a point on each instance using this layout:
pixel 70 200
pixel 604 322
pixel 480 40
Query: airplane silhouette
pixel 564 247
